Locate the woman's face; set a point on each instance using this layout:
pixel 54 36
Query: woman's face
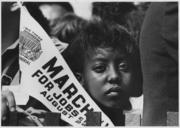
pixel 107 77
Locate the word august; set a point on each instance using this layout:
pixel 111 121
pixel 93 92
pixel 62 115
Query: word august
pixel 60 99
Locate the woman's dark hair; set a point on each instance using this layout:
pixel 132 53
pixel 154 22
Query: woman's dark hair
pixel 99 34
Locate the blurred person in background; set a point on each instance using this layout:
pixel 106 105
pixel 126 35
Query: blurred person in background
pixel 67 27
pixel 55 10
pixel 159 56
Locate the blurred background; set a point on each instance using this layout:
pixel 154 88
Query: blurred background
pixel 128 14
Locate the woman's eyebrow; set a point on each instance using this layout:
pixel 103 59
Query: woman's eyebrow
pixel 100 59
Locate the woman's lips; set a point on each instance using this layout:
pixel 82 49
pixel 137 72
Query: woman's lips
pixel 114 91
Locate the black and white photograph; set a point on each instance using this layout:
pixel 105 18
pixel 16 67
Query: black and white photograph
pixel 85 63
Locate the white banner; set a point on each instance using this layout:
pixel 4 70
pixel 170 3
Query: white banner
pixel 47 77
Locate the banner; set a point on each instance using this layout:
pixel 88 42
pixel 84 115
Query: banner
pixel 47 77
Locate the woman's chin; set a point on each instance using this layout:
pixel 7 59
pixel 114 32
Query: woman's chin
pixel 119 104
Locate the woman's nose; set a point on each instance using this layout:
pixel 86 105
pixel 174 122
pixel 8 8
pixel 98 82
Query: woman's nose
pixel 113 76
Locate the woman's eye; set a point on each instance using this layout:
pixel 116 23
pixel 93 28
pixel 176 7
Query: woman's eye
pixel 123 66
pixel 99 68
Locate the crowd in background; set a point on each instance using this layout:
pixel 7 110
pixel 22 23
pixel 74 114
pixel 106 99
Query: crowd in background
pixel 128 14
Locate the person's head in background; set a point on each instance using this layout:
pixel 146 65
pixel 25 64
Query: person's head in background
pixel 47 13
pixel 105 60
pixel 63 23
pixel 55 10
pixel 67 27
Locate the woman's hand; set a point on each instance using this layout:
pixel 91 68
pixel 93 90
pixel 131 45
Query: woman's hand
pixel 7 103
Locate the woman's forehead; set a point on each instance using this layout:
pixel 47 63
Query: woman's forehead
pixel 106 53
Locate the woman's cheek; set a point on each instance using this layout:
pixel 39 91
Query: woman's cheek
pixel 126 78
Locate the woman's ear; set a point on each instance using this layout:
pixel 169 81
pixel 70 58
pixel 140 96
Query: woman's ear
pixel 79 77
